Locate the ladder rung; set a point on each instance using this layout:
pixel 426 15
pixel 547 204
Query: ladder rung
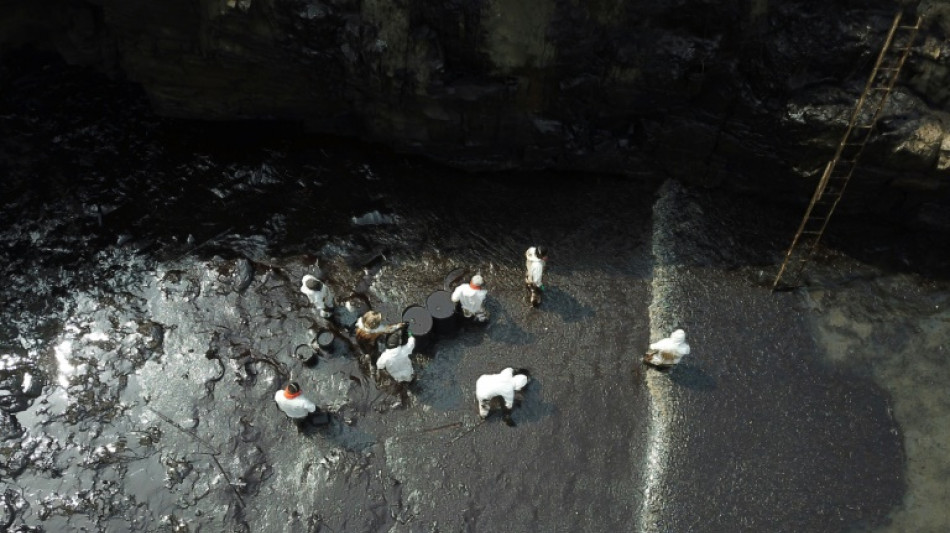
pixel 840 169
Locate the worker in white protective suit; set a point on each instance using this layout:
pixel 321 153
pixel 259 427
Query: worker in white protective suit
pixel 295 405
pixel 504 384
pixel 669 351
pixel 395 359
pixel 535 259
pixel 319 294
pixel 471 298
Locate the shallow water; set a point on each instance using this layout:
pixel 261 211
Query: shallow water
pixel 904 349
pixel 152 309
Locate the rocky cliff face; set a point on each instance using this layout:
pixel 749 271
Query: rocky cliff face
pixel 739 93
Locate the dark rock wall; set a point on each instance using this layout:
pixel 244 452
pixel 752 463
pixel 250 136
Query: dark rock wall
pixel 739 92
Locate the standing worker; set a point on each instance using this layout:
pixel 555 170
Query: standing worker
pixel 319 294
pixel 295 405
pixel 471 296
pixel 504 384
pixel 369 328
pixel 667 352
pixel 535 258
pixel 395 360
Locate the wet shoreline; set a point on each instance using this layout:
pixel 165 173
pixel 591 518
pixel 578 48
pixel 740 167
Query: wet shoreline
pixel 148 356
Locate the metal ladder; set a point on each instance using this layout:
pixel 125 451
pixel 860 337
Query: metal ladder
pixel 841 167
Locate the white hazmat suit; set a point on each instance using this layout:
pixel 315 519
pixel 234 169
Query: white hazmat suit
pixel 668 351
pixel 321 299
pixel 503 384
pixel 396 361
pixel 472 299
pixel 297 407
pixel 534 265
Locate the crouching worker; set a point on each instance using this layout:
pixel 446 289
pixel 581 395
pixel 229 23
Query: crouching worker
pixel 395 360
pixel 471 297
pixel 504 384
pixel 667 352
pixel 319 295
pixel 298 407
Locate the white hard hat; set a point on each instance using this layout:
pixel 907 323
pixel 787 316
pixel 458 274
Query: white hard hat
pixel 477 280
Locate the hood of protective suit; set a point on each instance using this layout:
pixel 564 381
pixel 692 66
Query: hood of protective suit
pixel 678 336
pixel 520 380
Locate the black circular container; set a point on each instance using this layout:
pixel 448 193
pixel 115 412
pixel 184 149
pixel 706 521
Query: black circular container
pixel 420 324
pixel 306 355
pixel 325 340
pixel 453 279
pixel 442 309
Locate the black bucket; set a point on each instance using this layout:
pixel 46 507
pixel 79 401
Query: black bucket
pixel 453 279
pixel 306 355
pixel 442 309
pixel 420 324
pixel 324 340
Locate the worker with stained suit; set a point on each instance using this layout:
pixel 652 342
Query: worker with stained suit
pixel 369 329
pixel 504 385
pixel 535 259
pixel 667 352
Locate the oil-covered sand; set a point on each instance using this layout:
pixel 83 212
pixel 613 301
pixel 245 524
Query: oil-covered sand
pixel 151 309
